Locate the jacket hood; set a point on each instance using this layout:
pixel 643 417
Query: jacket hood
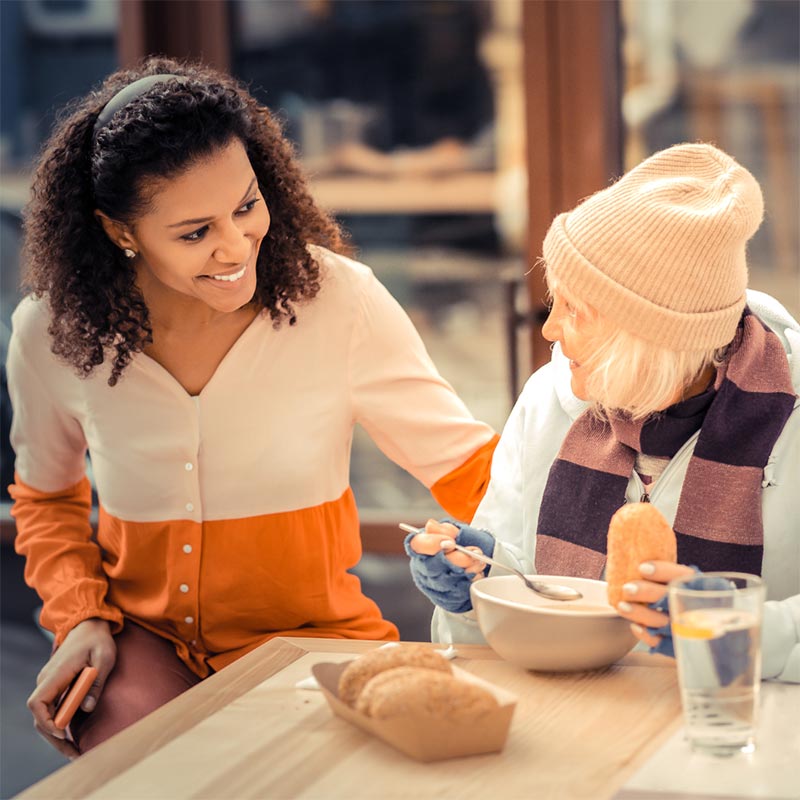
pixel 781 322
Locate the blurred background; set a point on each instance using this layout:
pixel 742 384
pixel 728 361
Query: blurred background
pixel 444 135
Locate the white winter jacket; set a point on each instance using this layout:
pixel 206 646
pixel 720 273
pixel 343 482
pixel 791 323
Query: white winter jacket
pixel 530 443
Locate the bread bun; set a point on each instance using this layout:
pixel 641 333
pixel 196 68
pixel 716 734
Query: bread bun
pixel 638 532
pixel 361 669
pixel 404 691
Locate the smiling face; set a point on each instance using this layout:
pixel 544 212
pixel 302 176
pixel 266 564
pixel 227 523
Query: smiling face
pixel 576 330
pixel 198 241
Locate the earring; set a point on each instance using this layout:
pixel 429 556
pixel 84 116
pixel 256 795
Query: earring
pixel 129 253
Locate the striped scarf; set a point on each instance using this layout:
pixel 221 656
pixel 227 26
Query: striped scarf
pixel 718 522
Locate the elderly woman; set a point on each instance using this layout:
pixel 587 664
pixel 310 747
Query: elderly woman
pixel 668 383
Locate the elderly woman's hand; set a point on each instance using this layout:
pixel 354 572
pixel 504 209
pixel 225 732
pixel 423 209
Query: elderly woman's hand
pixel 639 595
pixel 431 542
pixel 443 576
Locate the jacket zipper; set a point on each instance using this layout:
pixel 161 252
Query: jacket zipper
pixel 677 458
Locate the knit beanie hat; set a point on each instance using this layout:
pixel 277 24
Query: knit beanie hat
pixel 661 252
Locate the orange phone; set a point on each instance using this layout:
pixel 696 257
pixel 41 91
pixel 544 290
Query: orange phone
pixel 74 697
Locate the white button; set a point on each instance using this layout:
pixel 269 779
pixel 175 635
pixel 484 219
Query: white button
pixel 184 588
pixel 189 466
pixel 193 642
pixel 190 506
pixel 187 548
pixel 188 620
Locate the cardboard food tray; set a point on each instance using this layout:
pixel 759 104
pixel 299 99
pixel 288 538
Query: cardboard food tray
pixel 422 736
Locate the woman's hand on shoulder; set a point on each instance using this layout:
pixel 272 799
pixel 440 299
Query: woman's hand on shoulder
pixel 89 643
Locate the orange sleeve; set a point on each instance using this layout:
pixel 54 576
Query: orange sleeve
pixel 461 490
pixel 62 563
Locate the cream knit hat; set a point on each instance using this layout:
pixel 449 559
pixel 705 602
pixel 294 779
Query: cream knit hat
pixel 662 251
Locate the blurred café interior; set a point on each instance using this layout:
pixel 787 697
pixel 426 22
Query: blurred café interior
pixel 444 135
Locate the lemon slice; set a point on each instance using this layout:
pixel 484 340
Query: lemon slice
pixel 692 632
pixel 697 625
pixel 711 623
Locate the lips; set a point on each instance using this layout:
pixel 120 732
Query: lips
pixel 227 277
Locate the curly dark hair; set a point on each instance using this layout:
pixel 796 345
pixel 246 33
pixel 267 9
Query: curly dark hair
pixel 96 308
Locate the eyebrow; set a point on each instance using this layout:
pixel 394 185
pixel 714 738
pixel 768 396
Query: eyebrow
pixel 203 220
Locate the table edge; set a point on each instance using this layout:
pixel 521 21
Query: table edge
pixel 92 770
pixel 95 768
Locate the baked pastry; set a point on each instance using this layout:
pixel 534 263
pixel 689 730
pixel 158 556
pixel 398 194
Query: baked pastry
pixel 404 691
pixel 638 532
pixel 361 669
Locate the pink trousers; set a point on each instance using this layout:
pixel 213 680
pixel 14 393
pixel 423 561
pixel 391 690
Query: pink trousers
pixel 148 673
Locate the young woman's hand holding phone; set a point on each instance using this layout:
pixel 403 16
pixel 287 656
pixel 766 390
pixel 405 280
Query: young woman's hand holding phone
pixel 89 643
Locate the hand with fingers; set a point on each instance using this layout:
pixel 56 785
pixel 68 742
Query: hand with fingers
pixel 89 643
pixel 645 604
pixel 445 577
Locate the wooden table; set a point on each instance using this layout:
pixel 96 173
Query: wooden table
pixel 248 732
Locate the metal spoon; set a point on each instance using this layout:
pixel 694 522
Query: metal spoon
pixel 552 591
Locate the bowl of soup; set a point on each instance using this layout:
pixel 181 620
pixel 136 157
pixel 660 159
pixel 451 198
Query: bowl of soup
pixel 550 635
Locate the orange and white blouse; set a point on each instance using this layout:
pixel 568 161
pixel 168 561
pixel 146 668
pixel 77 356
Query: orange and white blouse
pixel 227 518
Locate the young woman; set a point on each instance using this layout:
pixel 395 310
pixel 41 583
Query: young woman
pixel 668 383
pixel 194 327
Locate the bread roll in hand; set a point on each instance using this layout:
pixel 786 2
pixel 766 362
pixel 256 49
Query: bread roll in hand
pixel 638 532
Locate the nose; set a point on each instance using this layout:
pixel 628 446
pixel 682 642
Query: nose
pixel 551 330
pixel 234 246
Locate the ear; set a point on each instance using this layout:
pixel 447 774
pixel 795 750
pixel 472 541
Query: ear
pixel 119 233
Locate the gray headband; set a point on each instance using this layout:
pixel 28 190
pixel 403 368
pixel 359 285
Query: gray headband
pixel 127 95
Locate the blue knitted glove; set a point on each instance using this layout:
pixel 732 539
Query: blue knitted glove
pixel 733 657
pixel 666 646
pixel 445 584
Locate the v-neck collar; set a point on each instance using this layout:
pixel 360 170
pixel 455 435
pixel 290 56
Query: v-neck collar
pixel 150 363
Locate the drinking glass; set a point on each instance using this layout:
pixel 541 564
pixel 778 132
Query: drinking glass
pixel 716 628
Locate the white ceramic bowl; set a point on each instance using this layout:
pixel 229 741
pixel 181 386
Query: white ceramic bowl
pixel 548 635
